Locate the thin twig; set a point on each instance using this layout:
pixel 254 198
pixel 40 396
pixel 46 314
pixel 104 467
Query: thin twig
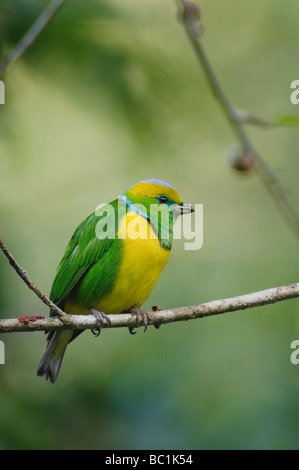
pixel 23 275
pixel 191 14
pixel 31 34
pixel 215 307
pixel 243 117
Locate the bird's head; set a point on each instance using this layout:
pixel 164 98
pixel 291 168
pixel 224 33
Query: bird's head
pixel 150 194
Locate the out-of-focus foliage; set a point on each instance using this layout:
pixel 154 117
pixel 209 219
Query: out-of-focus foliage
pixel 111 93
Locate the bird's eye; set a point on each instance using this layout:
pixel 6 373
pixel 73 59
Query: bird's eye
pixel 163 199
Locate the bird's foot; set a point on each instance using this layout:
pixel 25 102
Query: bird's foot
pixel 100 318
pixel 140 314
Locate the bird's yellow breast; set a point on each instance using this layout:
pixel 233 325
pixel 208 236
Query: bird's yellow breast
pixel 142 263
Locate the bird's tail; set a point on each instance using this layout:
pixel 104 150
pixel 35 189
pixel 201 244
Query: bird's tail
pixel 50 363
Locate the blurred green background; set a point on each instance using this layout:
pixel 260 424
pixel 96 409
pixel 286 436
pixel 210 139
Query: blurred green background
pixel 111 93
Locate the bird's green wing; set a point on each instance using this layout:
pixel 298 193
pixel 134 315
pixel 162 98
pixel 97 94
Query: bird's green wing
pixel 83 250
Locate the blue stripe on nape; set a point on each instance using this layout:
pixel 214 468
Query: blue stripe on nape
pixel 133 207
pixel 155 181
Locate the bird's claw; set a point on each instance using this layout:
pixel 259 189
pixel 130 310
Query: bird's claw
pixel 131 330
pixel 100 318
pixel 139 313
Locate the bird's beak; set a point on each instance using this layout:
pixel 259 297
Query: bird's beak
pixel 181 209
pixel 186 209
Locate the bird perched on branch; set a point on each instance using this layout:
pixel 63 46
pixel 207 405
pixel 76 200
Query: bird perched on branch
pixel 113 261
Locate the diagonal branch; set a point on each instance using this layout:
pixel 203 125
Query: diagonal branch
pixel 190 14
pixel 215 307
pixel 23 275
pixel 31 34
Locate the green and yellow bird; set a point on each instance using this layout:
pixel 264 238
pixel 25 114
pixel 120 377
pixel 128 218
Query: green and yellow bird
pixel 113 260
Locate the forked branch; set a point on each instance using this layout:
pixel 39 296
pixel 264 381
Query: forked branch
pixel 191 15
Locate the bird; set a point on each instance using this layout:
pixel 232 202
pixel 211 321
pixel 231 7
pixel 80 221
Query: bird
pixel 113 261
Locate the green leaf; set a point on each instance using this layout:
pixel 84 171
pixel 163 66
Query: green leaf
pixel 287 120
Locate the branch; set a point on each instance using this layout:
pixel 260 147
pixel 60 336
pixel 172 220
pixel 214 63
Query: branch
pixel 83 322
pixel 191 14
pixel 23 275
pixel 31 34
pixel 215 307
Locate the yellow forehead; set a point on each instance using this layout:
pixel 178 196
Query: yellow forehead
pixel 153 190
